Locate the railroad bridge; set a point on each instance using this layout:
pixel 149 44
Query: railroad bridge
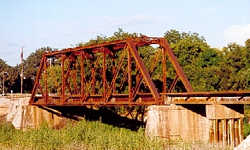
pixel 116 73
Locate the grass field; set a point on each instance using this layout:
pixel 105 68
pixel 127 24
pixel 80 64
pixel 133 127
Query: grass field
pixel 87 135
pixel 92 135
pixel 82 135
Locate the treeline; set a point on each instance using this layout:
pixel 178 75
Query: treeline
pixel 207 68
pixel 13 79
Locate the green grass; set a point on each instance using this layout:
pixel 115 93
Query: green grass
pixel 88 135
pixel 247 110
pixel 83 135
pixel 91 135
pixel 246 130
pixel 246 127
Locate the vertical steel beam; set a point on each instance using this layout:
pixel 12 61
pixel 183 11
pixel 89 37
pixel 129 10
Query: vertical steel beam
pixel 176 65
pixel 145 74
pixel 46 80
pixel 164 71
pixel 113 73
pixel 63 79
pixel 104 75
pixel 93 78
pixel 74 73
pixel 82 77
pixel 129 77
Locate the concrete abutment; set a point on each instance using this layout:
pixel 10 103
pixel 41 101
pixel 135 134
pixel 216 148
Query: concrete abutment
pixel 216 124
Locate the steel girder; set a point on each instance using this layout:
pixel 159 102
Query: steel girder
pixel 89 76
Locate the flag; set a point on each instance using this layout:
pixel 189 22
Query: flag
pixel 21 74
pixel 21 55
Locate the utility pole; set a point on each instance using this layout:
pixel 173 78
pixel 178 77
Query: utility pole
pixel 21 74
pixel 3 85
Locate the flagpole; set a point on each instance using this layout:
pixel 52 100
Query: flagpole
pixel 21 75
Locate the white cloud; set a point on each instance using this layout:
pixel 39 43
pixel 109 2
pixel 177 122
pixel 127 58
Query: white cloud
pixel 237 33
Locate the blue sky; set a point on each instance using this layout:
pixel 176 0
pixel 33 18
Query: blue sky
pixel 63 23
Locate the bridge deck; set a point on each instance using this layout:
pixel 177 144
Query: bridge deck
pixel 148 99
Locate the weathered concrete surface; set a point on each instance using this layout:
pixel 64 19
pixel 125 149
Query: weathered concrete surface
pixel 216 124
pixel 175 121
pixel 24 116
pixel 224 111
pixel 4 106
pixel 16 111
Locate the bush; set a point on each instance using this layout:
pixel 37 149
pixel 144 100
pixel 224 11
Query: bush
pixel 246 128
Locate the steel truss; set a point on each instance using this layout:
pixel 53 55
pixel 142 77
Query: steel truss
pixel 90 75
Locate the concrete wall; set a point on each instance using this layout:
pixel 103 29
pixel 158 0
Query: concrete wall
pixel 207 123
pixel 177 122
pixel 24 116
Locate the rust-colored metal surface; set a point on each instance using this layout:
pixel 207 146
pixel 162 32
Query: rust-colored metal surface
pixel 115 73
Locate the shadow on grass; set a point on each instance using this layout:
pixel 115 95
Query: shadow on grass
pixel 106 115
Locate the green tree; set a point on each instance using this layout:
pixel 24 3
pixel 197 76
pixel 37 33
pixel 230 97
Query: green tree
pixel 32 63
pixel 235 67
pixel 247 44
pixel 3 65
pixel 197 59
pixel 3 68
pixel 11 78
pixel 207 69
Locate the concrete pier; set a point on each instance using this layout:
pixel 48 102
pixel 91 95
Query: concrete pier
pixel 216 124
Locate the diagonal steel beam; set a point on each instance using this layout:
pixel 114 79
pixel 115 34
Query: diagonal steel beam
pixel 173 84
pixel 145 74
pixel 116 72
pixel 164 44
pixel 151 70
pixel 38 76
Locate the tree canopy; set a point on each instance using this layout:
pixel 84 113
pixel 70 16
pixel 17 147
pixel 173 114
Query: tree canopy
pixel 207 68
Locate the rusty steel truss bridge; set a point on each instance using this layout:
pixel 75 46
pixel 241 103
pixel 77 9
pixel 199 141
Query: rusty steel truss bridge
pixel 115 73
